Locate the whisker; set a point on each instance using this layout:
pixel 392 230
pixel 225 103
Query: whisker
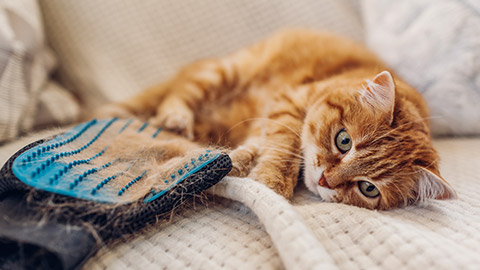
pixel 284 150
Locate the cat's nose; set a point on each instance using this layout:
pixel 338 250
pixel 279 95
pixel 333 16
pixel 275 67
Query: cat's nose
pixel 323 181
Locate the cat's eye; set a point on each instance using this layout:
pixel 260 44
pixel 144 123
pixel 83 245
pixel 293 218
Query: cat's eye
pixel 368 189
pixel 343 141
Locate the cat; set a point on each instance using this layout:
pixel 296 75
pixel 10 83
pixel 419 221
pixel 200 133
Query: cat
pixel 305 103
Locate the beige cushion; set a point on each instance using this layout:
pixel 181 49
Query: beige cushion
pixel 111 49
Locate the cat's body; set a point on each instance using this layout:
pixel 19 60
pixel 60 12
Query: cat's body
pixel 297 97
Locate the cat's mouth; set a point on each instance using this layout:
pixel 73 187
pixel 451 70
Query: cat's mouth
pixel 323 182
pixel 314 182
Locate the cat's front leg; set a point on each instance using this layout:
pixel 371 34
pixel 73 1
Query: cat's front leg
pixel 267 163
pixel 243 158
pixel 173 114
pixel 279 156
pixel 278 166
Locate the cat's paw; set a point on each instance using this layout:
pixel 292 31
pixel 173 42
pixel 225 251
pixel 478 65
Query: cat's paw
pixel 176 119
pixel 243 159
pixel 109 111
pixel 274 179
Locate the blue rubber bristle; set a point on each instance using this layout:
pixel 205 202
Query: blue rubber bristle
pixel 74 152
pixel 70 139
pixel 181 174
pixel 143 127
pixel 157 132
pixel 104 182
pixel 72 164
pixel 125 126
pixel 87 173
pixel 44 167
pixel 127 186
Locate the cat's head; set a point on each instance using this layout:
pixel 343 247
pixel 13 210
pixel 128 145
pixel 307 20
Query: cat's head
pixel 370 146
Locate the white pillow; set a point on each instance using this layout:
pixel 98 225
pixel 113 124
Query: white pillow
pixel 435 46
pixel 25 64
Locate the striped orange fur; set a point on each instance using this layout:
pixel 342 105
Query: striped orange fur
pixel 280 105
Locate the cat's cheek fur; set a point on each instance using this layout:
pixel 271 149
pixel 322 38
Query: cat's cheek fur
pixel 312 174
pixel 311 178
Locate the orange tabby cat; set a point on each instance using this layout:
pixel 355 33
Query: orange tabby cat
pixel 302 97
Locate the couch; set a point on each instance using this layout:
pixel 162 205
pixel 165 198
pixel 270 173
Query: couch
pixel 76 55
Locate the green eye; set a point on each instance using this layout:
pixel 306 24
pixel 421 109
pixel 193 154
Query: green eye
pixel 343 141
pixel 368 189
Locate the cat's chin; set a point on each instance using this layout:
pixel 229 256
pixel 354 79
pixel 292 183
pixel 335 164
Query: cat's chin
pixel 326 194
pixel 312 177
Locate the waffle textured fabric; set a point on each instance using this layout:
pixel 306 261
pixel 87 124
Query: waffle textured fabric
pixel 28 98
pixel 257 229
pixel 112 49
pixel 435 46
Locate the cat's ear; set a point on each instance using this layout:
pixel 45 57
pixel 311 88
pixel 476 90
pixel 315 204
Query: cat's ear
pixel 433 186
pixel 380 93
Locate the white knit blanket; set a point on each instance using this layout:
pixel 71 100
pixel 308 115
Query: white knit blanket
pixel 263 231
pixel 281 221
pixel 257 229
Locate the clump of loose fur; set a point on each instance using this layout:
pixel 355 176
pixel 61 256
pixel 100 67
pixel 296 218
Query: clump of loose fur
pixel 161 156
